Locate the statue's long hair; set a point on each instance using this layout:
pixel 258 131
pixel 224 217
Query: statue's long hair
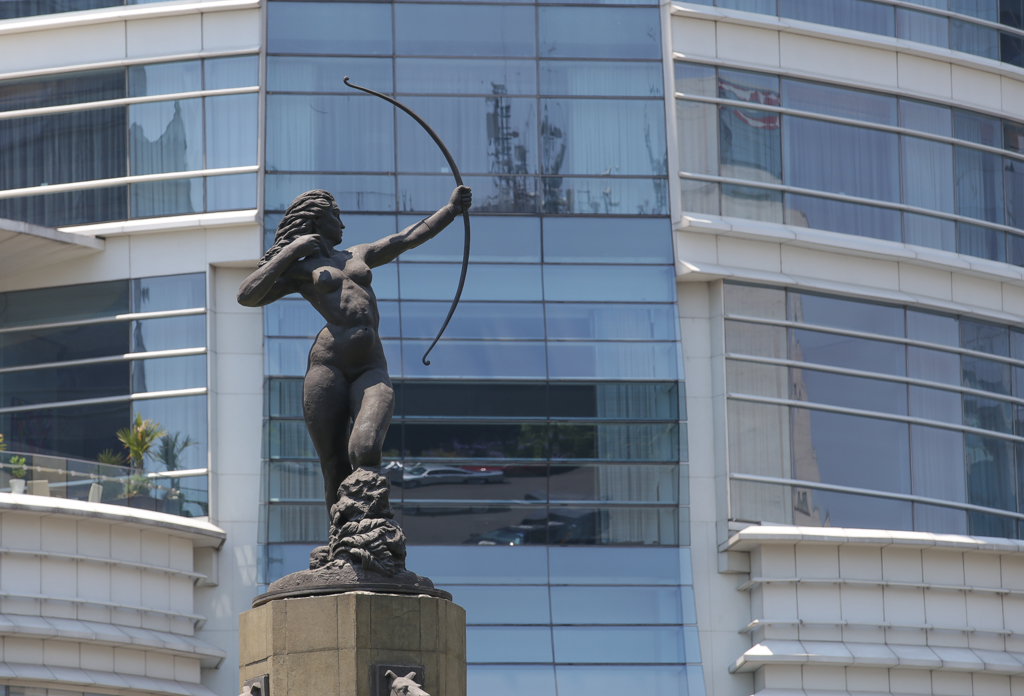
pixel 300 218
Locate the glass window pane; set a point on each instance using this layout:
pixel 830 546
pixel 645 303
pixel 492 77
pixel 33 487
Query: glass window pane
pixel 231 130
pixel 508 239
pixel 494 680
pixel 58 345
pixel 611 680
pixel 359 192
pixel 599 32
pixel 495 135
pixel 936 404
pixel 461 76
pixel 751 145
pixel 977 128
pixel 63 384
pixel 755 339
pixel 236 71
pixel 982 242
pixel 1013 181
pixel 614 605
pixel 852 353
pixel 65 88
pixel 609 283
pixel 441 482
pixel 481 565
pixel 503 604
pixel 984 337
pixel 183 419
pixel 988 414
pixel 922 27
pixel 491 194
pixel 839 101
pixel 752 203
pixel 1013 136
pixel 698 80
pixel 324 74
pixel 169 333
pixel 927 231
pixel 933 365
pixel 598 644
pixel 987 375
pixel 607 360
pixel 163 293
pixel 614 401
pixel 699 197
pixel 756 88
pixel 934 328
pixel 473 320
pixel 165 374
pixel 596 240
pixel 982 9
pixel 312 27
pixel 816 508
pixel 853 315
pixel 164 78
pixel 990 475
pixel 423 30
pixel 655 442
pixel 697 130
pixel 491 400
pixel 845 218
pixel 508 644
pixel 859 15
pixel 479 525
pixel 332 136
pixel 768 7
pixel 755 301
pixel 645 483
pixel 600 195
pixel 848 392
pixel 71 207
pixel 438 281
pixel 600 79
pixel 610 566
pixel 974 38
pixel 927 174
pixel 75 431
pixel 609 322
pixel 66 303
pixel 926 117
pixel 173 197
pixel 231 192
pixel 490 359
pixel 632 137
pixel 871 159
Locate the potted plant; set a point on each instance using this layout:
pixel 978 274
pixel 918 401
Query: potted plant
pixel 17 469
pixel 139 439
pixel 168 452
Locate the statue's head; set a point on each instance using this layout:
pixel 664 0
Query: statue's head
pixel 313 212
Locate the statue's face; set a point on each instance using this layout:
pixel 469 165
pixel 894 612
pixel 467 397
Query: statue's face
pixel 330 226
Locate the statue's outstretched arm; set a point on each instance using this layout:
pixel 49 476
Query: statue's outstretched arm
pixel 386 250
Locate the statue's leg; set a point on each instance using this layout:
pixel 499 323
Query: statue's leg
pixel 325 406
pixel 372 400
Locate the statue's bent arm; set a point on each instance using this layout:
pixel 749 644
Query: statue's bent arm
pixel 270 282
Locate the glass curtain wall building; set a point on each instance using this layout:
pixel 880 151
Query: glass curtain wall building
pixel 545 439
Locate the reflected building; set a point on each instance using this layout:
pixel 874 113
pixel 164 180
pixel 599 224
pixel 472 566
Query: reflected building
pixel 813 206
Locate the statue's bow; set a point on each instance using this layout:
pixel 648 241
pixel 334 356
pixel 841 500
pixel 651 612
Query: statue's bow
pixel 465 213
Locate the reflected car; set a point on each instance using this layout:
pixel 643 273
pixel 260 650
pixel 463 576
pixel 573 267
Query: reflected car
pixel 434 475
pixel 512 535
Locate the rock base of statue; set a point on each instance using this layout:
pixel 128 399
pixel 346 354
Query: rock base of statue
pixel 366 552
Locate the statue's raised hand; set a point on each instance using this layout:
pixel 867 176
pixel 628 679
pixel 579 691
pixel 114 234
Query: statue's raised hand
pixel 306 245
pixel 462 199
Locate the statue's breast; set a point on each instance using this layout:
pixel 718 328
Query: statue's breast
pixel 327 279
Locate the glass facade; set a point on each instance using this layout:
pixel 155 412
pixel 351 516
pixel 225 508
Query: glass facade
pixel 551 420
pixel 78 362
pixel 991 29
pixel 856 414
pixel 191 153
pixel 761 147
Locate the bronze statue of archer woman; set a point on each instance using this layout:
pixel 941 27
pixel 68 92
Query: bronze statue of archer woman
pixel 347 375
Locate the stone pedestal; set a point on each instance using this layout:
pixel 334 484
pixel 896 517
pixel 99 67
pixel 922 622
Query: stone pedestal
pixel 331 644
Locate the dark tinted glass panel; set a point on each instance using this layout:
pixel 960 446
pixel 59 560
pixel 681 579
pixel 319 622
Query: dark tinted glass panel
pixel 646 483
pixel 455 76
pixel 63 384
pixel 174 197
pixel 57 90
pixel 976 128
pixel 613 441
pixel 164 78
pixel 491 194
pixel 846 218
pixel 843 351
pixel 846 314
pixel 632 138
pixel 323 74
pixel 482 400
pixel 1013 180
pixel 1011 49
pixel 607 241
pixel 479 481
pixel 988 375
pixel 990 473
pixel 423 30
pixel 988 414
pixel 483 320
pixel 599 195
pixel 77 431
pixel 34 150
pixel 57 345
pixel 1011 13
pixel 983 242
pixel 320 144
pixel 605 32
pixel 166 136
pixel 476 440
pixel 824 508
pixel 479 525
pixel 355 193
pixel 29 8
pixel 872 159
pixel 984 337
pixel 311 27
pixel 169 333
pixel 1013 136
pixel 606 360
pixel 485 134
pixel 769 7
pixel 70 208
pixel 619 401
pixel 929 118
pixel 608 283
pixel 849 392
pixel 609 322
pixel 162 293
pixel 839 101
pixel 933 328
pixel 70 303
pixel 598 79
pixel 981 9
pixel 872 17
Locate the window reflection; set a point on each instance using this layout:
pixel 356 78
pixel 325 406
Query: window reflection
pixel 36 346
pixel 310 27
pixel 605 32
pixel 423 30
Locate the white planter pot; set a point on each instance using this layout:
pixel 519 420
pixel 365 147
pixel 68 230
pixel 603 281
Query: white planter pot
pixel 17 485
